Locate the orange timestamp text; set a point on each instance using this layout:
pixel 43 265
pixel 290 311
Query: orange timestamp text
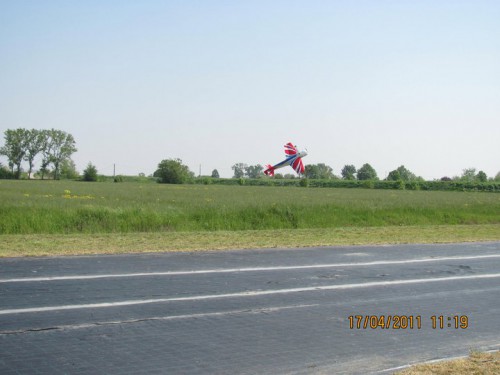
pixel 407 321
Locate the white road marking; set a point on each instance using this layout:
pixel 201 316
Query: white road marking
pixel 250 269
pixel 247 294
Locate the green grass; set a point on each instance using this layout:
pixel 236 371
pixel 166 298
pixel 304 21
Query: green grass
pixel 64 207
pixel 66 218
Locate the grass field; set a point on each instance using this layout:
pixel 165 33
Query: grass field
pixel 238 216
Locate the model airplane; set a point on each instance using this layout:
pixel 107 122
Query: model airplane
pixel 293 159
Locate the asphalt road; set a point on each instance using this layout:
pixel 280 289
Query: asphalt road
pixel 299 311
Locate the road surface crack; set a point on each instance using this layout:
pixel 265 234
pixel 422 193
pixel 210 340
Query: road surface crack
pixel 264 310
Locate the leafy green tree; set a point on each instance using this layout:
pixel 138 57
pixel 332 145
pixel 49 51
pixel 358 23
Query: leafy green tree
pixel 172 171
pixel 14 148
pixel 319 171
pixel 325 171
pixel 33 145
pixel 90 173
pixel 349 172
pixel 401 174
pixel 405 174
pixel 215 173
pixel 46 151
pixel 468 175
pixel 311 171
pixel 394 176
pixel 54 145
pixel 481 177
pixel 68 170
pixel 366 172
pixel 63 146
pixel 239 170
pixel 254 171
pixel 497 177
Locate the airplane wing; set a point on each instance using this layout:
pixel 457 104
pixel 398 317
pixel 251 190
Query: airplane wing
pixel 290 149
pixel 298 166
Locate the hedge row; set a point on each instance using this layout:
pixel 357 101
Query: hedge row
pixel 368 184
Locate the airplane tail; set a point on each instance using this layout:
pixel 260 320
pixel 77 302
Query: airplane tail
pixel 269 171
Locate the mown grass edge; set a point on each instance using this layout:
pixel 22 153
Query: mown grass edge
pixel 120 243
pixel 476 363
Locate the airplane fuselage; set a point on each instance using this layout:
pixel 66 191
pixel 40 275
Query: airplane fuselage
pixel 293 159
pixel 290 159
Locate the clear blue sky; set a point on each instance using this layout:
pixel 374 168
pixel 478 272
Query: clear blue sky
pixel 221 82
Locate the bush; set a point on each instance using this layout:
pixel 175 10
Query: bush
pixel 5 174
pixel 368 184
pixel 413 185
pixel 90 173
pixel 172 171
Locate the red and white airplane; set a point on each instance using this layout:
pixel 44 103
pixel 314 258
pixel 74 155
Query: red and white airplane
pixel 293 159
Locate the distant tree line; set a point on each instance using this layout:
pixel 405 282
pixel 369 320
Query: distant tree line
pixel 349 172
pixel 319 171
pixel 53 147
pixel 321 175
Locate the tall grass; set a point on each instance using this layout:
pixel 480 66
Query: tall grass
pixel 28 207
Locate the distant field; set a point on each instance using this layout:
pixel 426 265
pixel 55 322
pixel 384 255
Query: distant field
pixel 39 218
pixel 62 207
